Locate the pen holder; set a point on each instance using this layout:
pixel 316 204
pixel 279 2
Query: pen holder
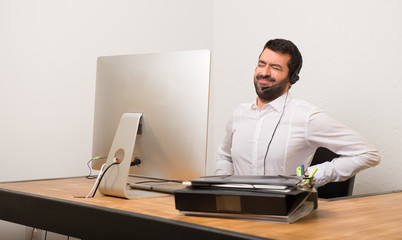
pixel 306 186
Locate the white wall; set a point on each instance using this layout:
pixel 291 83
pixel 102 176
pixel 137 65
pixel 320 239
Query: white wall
pixel 352 59
pixel 48 52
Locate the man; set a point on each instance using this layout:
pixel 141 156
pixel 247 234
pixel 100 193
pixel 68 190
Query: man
pixel 276 133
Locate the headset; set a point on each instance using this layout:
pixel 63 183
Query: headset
pixel 276 127
pixel 295 76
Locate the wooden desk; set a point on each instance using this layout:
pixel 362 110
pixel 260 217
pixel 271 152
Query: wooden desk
pixel 51 205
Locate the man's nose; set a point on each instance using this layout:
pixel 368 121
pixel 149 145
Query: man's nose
pixel 266 71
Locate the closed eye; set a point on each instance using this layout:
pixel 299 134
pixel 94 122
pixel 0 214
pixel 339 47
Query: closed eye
pixel 276 66
pixel 261 63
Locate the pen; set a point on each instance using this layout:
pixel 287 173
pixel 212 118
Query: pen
pixel 311 175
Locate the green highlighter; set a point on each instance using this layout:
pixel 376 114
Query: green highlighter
pixel 299 172
pixel 311 175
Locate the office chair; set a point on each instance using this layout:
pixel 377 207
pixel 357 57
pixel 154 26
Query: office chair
pixel 332 189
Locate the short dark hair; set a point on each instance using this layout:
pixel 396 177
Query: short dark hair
pixel 287 47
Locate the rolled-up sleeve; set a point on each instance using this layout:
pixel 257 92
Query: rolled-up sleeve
pixel 355 152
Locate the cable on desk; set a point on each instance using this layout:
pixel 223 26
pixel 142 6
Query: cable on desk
pixel 97 180
pixel 89 176
pixel 90 169
pixel 101 176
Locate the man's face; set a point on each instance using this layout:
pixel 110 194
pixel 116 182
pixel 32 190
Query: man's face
pixel 271 75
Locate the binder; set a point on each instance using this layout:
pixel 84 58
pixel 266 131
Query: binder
pixel 280 200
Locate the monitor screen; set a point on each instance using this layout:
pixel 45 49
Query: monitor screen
pixel 171 91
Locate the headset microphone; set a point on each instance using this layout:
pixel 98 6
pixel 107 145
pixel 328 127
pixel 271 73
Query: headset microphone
pixel 274 85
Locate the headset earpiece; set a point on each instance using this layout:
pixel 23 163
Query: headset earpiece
pixel 295 76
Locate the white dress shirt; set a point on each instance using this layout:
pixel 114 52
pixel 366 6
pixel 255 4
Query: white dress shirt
pixel 301 130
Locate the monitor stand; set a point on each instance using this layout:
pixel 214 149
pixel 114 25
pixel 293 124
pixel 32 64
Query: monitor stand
pixel 114 182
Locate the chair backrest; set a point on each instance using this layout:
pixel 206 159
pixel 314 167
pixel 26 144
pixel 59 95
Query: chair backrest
pixel 332 189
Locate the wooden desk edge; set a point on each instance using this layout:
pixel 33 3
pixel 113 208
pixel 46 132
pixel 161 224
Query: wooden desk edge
pixel 95 222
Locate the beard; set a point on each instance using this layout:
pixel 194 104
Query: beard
pixel 270 93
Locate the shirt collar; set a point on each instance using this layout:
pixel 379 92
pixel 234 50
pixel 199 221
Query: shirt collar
pixel 277 104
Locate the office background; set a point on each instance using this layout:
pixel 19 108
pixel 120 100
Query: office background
pixel 352 59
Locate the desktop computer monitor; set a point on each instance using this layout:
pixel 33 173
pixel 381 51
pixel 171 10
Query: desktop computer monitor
pixel 170 92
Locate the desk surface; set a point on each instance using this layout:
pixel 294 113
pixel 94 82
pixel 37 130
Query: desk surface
pixel 371 217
